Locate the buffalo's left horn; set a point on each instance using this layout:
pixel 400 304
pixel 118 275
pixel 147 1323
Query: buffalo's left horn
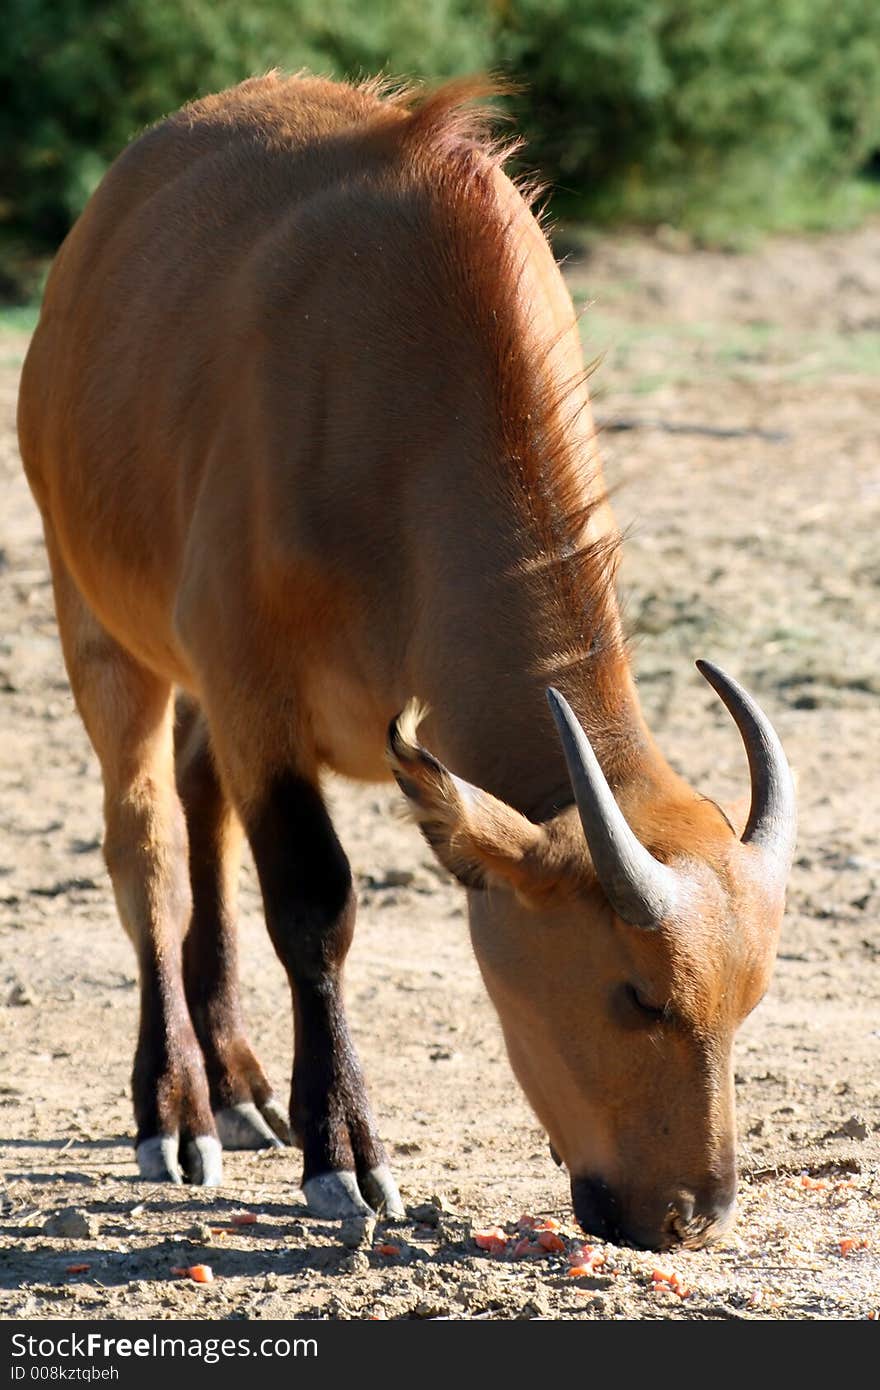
pixel 640 889
pixel 772 823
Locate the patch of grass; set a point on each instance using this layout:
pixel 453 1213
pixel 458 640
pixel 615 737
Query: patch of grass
pixel 664 354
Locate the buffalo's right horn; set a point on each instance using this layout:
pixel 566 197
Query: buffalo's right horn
pixel 640 889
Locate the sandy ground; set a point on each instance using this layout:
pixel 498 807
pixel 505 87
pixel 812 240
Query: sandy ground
pixel 758 550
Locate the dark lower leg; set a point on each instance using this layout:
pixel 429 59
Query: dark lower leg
pixel 168 1089
pixel 329 1110
pixel 210 954
pixel 310 912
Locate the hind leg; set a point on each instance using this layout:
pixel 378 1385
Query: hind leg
pixel 128 714
pixel 246 1113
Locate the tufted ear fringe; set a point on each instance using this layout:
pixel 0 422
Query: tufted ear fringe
pixel 482 841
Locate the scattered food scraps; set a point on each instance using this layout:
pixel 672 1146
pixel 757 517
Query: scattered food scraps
pixel 537 1237
pixel 550 1241
pixel 199 1274
pixel 493 1240
pixel 850 1243
pixel 668 1279
pixel 538 1223
pixel 585 1259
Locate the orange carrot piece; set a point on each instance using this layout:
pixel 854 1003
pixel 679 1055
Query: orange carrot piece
pixel 586 1255
pixel 200 1274
pixel 388 1249
pixel 490 1233
pixel 550 1241
pixel 850 1243
pixel 669 1279
pixel 538 1223
pixel 77 1269
pixel 490 1238
pixel 244 1218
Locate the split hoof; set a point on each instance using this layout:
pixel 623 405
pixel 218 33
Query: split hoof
pixel 198 1161
pixel 380 1189
pixel 243 1126
pixel 157 1159
pixel 335 1196
pixel 203 1161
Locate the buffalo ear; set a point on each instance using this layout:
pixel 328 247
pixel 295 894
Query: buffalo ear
pixel 479 839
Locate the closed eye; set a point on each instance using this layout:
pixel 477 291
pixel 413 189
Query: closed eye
pixel 656 1013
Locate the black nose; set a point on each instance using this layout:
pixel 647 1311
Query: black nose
pixel 596 1208
pixel 696 1219
pixel 688 1219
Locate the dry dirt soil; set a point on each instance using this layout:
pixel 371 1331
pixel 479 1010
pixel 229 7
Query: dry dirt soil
pixel 757 548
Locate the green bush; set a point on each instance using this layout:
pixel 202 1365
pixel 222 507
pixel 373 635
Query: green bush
pixel 655 110
pixel 664 110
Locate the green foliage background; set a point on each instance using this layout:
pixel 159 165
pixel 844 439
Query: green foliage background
pixel 708 113
pixel 698 110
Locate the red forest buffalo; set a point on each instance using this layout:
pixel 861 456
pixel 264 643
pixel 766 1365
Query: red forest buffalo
pixel 306 419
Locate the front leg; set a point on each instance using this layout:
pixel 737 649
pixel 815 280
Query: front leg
pixel 310 911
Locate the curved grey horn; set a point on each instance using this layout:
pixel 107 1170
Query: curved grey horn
pixel 640 889
pixel 772 823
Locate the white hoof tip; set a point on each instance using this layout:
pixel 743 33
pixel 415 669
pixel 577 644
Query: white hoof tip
pixel 335 1196
pixel 277 1121
pixel 379 1187
pixel 157 1159
pixel 203 1159
pixel 243 1127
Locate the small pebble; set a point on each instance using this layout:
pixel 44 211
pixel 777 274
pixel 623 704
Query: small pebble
pixel 357 1230
pixel 536 1307
pixel 20 996
pixel 425 1213
pixel 72 1223
pixel 856 1127
pixel 398 878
